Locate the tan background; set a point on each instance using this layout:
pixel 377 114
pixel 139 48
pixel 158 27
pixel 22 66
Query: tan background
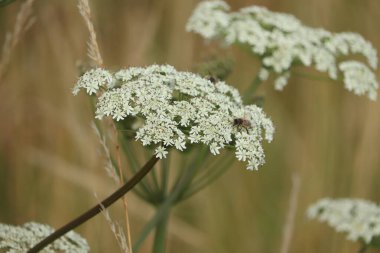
pixel 49 162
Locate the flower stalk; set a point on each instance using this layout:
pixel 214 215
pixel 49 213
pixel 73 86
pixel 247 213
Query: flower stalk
pixel 251 90
pixel 98 208
pixel 159 244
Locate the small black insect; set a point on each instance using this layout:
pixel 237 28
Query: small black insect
pixel 212 79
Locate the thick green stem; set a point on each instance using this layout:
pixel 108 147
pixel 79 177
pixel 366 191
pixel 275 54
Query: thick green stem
pixel 171 199
pixel 160 236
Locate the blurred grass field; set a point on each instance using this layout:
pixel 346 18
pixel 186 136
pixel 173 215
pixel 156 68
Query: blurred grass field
pixel 50 165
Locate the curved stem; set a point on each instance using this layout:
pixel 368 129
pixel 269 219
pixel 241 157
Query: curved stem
pixel 134 165
pixel 96 209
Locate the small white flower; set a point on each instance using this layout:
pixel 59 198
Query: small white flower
pixel 92 80
pixel 180 144
pixel 281 81
pixel 359 79
pixel 360 219
pixel 161 152
pixel 214 149
pixel 263 74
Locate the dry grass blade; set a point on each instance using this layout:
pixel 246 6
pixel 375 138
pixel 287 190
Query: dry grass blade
pixel 289 225
pixel 23 22
pixel 94 54
pixel 93 48
pixel 125 202
pixel 118 179
pixel 109 167
pixel 117 230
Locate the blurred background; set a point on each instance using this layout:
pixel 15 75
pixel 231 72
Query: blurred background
pixel 50 166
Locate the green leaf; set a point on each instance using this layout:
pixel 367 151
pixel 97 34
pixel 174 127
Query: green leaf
pixel 3 3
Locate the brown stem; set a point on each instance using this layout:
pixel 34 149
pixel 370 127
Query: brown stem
pixel 96 209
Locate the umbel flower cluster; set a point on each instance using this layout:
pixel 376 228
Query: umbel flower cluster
pixel 17 239
pixel 171 109
pixel 281 41
pixel 360 219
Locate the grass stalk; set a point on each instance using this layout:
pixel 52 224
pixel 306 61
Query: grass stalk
pixel 289 223
pixel 23 23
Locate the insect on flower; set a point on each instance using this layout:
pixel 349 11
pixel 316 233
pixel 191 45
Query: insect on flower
pixel 212 78
pixel 242 123
pixel 178 109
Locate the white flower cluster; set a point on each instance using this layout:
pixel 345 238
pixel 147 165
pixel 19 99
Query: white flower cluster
pixel 212 16
pixel 18 239
pixel 355 72
pixel 282 41
pixel 93 80
pixel 181 108
pixel 359 218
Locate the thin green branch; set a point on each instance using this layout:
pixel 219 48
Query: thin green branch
pixel 165 163
pixel 134 165
pixel 250 91
pixel 213 173
pixel 314 77
pixel 155 187
pixel 170 200
pixel 191 170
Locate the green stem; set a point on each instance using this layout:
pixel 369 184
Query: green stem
pixel 134 165
pixel 165 174
pixel 200 158
pixel 155 187
pixel 248 94
pixel 160 236
pixel 160 214
pixel 314 77
pixel 213 173
pixel 171 198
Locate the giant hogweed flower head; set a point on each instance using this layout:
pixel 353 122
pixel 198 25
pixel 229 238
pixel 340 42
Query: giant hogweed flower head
pixel 281 41
pixel 360 219
pixel 16 239
pixel 179 109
